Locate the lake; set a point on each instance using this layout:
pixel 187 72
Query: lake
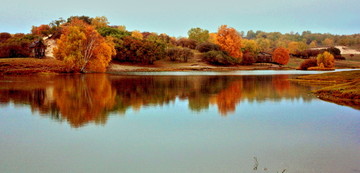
pixel 178 122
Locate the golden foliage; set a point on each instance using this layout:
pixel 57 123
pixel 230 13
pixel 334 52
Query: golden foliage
pixel 296 46
pixel 213 38
pixel 328 42
pixel 264 44
pixel 99 22
pixel 325 60
pixel 229 40
pixel 250 46
pixel 81 45
pixel 137 34
pixel 121 28
pixel 313 44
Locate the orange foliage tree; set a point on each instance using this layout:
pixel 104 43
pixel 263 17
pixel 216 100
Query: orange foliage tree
pixel 43 30
pixel 83 48
pixel 230 41
pixel 281 56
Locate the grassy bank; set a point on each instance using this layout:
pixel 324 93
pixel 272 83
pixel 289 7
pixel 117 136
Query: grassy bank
pixel 30 66
pixel 48 65
pixel 341 87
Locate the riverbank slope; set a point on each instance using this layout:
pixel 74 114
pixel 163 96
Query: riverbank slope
pixel 341 87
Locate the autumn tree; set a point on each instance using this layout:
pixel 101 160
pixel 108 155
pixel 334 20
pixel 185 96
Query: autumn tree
pixel 325 59
pixel 328 42
pixel 15 46
pixel 313 44
pixel 250 46
pixel 99 22
pixel 264 44
pixel 85 19
pixel 198 34
pixel 212 38
pixel 207 46
pixel 281 56
pixel 229 40
pixel 4 36
pixel 134 50
pixel 121 27
pixel 137 34
pixel 297 46
pixel 83 48
pixel 42 30
pixel 188 43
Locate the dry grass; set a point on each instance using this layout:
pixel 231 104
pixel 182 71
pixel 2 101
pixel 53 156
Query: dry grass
pixel 343 87
pixel 30 66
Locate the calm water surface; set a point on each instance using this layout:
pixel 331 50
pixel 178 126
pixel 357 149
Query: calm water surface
pixel 173 122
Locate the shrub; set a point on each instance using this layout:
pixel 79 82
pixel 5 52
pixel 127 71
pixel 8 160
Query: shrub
pixel 281 56
pixel 113 32
pixel 312 62
pixel 179 54
pixel 184 42
pixel 4 36
pixel 307 53
pixel 219 58
pixel 334 51
pixel 206 47
pixel 248 58
pixel 327 59
pixel 134 50
pixel 16 46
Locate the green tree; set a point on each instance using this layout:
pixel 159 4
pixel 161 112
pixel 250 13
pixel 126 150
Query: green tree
pixel 198 34
pixel 113 32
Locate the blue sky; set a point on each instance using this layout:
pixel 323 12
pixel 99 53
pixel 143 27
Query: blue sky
pixel 177 17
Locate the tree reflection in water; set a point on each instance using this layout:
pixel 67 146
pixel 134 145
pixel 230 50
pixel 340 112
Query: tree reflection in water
pixel 82 99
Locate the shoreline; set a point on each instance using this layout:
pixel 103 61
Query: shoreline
pixel 342 88
pixel 26 66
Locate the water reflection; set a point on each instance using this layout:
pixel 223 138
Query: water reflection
pixel 82 99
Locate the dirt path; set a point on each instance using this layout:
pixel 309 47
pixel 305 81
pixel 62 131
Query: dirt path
pixel 347 50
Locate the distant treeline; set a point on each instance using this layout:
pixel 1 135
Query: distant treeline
pixel 227 46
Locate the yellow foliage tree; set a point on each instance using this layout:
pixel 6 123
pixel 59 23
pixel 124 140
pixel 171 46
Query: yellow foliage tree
pixel 313 44
pixel 229 40
pixel 137 34
pixel 326 59
pixel 82 48
pixel 250 46
pixel 264 44
pixel 328 42
pixel 212 38
pixel 99 22
pixel 121 28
